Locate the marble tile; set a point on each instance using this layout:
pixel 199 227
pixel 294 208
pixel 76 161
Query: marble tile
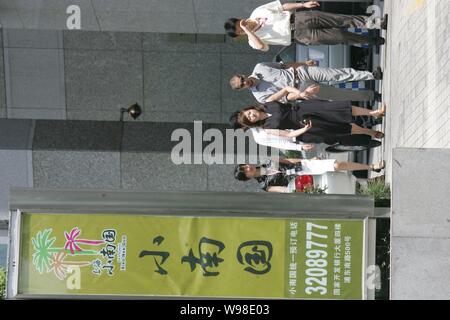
pixel 16 171
pixel 152 171
pixel 76 170
pixel 77 135
pixel 38 39
pixel 103 80
pixel 186 82
pixel 96 40
pixel 37 72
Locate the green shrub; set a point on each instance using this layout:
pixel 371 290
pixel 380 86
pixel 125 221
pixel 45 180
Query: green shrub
pixel 376 188
pixel 292 154
pixel 2 283
pixel 315 189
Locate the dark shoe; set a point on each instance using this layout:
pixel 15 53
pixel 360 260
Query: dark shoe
pixel 378 41
pixel 377 96
pixel 384 22
pixel 377 73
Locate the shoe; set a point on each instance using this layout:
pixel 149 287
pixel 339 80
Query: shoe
pixel 378 167
pixel 377 73
pixel 379 135
pixel 384 22
pixel 375 121
pixel 377 96
pixel 382 111
pixel 378 41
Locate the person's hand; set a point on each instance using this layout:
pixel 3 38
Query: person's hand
pixel 311 63
pixel 311 4
pixel 312 90
pixel 307 126
pixel 244 25
pixel 308 147
pixel 303 95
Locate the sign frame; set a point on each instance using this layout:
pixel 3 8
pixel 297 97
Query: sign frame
pixel 32 201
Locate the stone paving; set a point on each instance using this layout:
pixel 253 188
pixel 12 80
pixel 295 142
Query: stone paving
pixel 416 85
pixel 416 91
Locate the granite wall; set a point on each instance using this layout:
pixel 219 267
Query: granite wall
pixel 87 75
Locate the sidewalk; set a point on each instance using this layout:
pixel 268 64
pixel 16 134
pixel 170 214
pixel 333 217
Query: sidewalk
pixel 416 84
pixel 416 90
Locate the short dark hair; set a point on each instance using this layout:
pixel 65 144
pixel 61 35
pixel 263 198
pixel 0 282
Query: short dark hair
pixel 230 27
pixel 239 173
pixel 232 80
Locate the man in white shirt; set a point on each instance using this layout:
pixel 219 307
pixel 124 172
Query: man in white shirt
pixel 273 81
pixel 270 24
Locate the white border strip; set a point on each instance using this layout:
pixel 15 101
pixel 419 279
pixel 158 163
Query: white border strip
pixel 12 289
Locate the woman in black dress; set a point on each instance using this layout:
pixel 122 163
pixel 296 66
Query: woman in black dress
pixel 326 121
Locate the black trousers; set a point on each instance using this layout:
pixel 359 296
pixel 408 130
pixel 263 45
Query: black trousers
pixel 316 27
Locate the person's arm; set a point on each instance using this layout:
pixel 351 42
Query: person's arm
pixel 289 160
pixel 253 39
pixel 278 96
pixel 277 189
pixel 286 133
pixel 287 93
pixel 305 95
pixel 297 96
pixel 274 141
pixel 305 5
pixel 295 65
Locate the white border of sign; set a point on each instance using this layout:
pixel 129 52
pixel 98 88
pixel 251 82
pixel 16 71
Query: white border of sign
pixel 70 205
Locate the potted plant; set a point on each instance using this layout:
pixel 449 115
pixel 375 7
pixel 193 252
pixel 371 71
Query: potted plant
pixel 379 189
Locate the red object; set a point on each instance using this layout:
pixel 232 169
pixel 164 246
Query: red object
pixel 302 181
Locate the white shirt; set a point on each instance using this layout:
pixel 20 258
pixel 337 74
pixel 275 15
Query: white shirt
pixel 266 139
pixel 272 78
pixel 275 25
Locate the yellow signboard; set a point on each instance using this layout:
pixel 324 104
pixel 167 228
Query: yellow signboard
pixel 145 255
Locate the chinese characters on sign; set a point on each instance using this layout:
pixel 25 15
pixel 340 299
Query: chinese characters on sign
pixel 108 252
pixel 293 233
pixel 143 255
pixel 255 255
pixel 319 259
pixel 348 260
pixel 257 258
pixel 337 260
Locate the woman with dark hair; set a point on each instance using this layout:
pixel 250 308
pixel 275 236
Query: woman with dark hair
pixel 279 176
pixel 313 121
pixel 270 24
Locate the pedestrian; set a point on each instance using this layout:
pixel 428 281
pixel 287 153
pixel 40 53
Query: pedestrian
pixel 273 81
pixel 312 121
pixel 270 140
pixel 264 138
pixel 280 176
pixel 271 24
